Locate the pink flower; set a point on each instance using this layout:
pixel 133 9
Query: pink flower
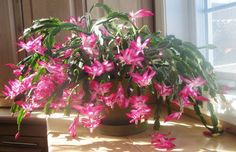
pixel 44 88
pixel 16 70
pixel 67 53
pixel 163 90
pixel 57 72
pixel 68 97
pixel 109 100
pixel 130 57
pixel 139 14
pixel 120 97
pixel 145 79
pixel 56 105
pixel 187 92
pixel 137 45
pixel 89 44
pixel 27 81
pixel 28 106
pixel 108 66
pixel 99 89
pixel 207 133
pixel 17 87
pixel 161 141
pixel 104 31
pixel 190 90
pixel 96 69
pixel 138 99
pixel 184 102
pixel 173 116
pixel 33 45
pixel 197 82
pixel 58 45
pixel 81 22
pixel 88 41
pixel 52 68
pixel 73 127
pixel 92 115
pixel 99 68
pixel 140 111
pixel 14 89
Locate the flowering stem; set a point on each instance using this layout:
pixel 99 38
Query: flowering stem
pixel 47 109
pixel 86 89
pixel 138 91
pixel 215 129
pixel 67 109
pixel 128 87
pixel 168 107
pixel 157 112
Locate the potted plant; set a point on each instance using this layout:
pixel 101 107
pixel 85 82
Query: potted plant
pixel 107 63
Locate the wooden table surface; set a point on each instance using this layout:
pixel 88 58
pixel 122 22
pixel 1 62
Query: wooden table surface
pixel 188 133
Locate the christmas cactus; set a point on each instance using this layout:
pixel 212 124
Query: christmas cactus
pixel 79 73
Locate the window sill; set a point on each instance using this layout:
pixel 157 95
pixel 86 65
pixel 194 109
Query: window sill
pixel 226 72
pixel 186 130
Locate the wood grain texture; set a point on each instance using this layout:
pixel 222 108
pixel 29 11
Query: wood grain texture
pixel 62 9
pixel 7 41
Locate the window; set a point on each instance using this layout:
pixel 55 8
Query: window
pixel 208 22
pixel 220 25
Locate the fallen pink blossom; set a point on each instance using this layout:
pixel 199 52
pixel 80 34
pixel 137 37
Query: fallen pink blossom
pixel 161 141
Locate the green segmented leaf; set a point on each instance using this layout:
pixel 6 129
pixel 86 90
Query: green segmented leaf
pixel 111 16
pixel 25 60
pixel 20 117
pixel 208 46
pixel 157 113
pixel 37 76
pixel 107 9
pixel 199 114
pixel 50 24
pixel 168 106
pixel 47 109
pixel 14 108
pixel 67 110
pixel 214 119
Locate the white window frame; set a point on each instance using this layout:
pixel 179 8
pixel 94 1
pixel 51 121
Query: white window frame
pixel 222 70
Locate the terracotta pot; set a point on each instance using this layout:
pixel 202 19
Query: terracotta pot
pixel 117 123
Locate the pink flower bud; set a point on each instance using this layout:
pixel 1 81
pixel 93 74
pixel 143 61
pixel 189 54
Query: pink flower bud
pixel 17 136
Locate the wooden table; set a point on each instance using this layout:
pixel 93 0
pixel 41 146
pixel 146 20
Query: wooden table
pixel 188 132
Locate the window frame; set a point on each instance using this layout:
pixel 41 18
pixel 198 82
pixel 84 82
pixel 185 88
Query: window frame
pixel 223 75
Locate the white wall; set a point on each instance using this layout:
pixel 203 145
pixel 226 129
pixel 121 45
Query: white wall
pixel 177 19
